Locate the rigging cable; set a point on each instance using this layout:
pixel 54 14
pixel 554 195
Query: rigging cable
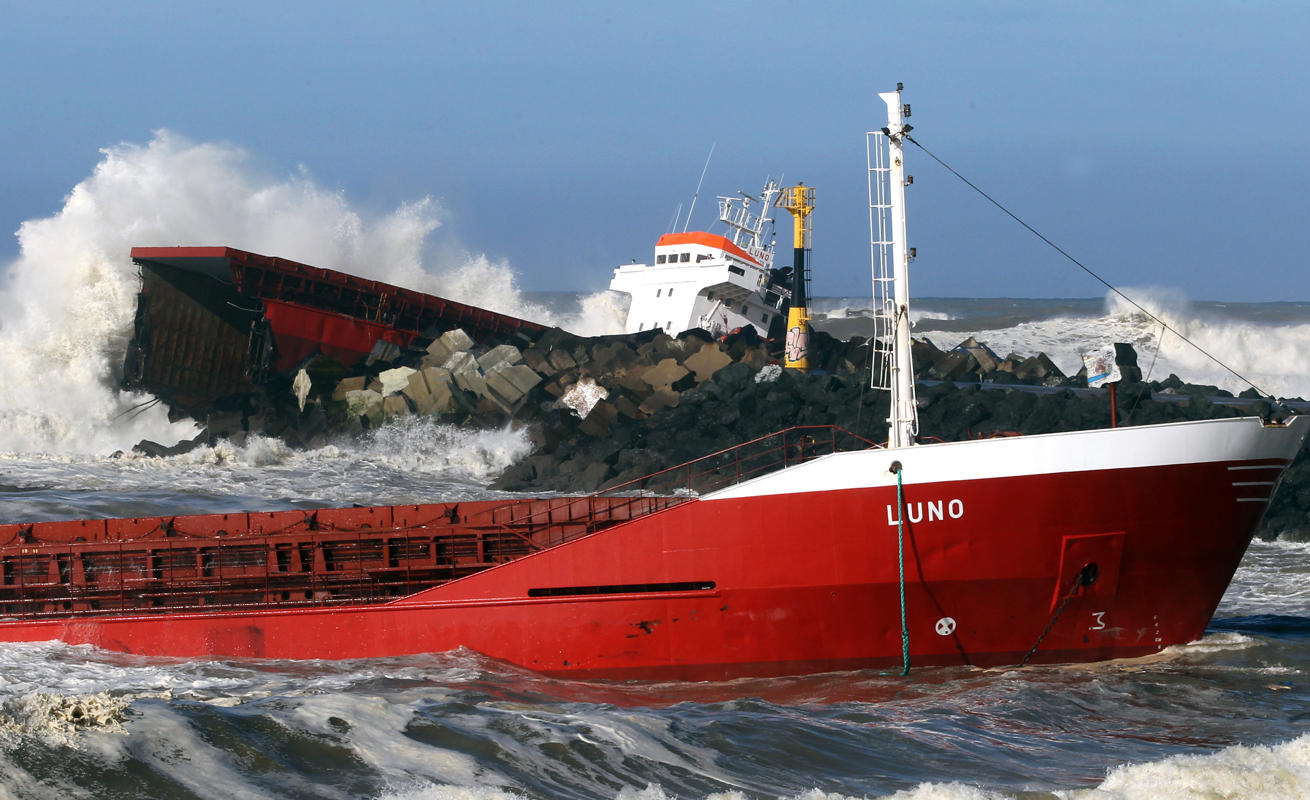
pixel 1088 270
pixel 859 407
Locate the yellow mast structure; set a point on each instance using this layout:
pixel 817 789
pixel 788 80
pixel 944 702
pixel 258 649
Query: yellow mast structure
pixel 799 200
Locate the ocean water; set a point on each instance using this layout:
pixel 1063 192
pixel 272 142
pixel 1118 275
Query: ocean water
pixel 1225 717
pixel 1221 344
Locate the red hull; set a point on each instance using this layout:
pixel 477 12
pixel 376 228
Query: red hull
pixel 802 581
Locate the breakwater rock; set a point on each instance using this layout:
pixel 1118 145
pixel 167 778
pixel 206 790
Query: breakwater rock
pixel 605 410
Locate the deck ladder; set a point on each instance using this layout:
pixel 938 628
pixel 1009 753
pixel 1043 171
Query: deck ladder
pixel 880 253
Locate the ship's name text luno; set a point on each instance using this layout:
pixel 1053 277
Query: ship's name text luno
pixel 930 511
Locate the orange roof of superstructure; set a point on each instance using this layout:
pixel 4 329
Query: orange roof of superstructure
pixel 708 240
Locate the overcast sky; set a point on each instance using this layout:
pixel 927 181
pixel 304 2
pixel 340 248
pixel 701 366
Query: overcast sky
pixel 1162 143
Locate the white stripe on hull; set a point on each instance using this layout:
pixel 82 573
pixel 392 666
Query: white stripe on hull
pixel 1204 441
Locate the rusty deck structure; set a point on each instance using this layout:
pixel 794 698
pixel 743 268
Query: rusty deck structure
pixel 304 558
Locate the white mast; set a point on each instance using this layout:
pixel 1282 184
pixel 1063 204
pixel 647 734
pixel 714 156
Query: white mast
pixel 903 424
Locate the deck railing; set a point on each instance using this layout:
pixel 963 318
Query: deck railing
pixel 343 555
pixel 669 487
pixel 745 461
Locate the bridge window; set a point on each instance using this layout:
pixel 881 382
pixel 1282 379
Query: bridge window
pixel 670 291
pixel 658 292
pixel 686 257
pixel 659 259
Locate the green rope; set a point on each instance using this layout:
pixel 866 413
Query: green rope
pixel 900 563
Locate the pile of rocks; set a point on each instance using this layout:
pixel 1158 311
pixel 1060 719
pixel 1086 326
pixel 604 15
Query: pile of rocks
pixel 449 378
pixel 603 410
pixel 489 383
pixel 972 360
pixel 597 379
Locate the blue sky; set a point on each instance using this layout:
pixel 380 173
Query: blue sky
pixel 1163 144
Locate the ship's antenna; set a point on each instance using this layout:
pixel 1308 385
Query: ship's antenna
pixel 673 223
pixel 698 185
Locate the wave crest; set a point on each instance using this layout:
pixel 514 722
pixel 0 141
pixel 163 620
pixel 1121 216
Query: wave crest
pixel 69 299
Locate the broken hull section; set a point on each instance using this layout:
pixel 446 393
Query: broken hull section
pixel 214 321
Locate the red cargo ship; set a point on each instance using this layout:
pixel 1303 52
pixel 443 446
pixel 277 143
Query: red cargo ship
pixel 806 551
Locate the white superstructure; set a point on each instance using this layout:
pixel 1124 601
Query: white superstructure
pixel 708 280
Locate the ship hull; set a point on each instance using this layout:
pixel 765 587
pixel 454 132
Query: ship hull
pixel 801 570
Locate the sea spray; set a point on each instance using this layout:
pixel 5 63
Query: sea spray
pixel 1273 356
pixel 69 299
pixel 599 314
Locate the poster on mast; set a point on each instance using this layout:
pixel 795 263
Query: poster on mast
pixel 1102 367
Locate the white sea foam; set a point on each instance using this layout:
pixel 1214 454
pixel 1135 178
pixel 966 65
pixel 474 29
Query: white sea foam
pixel 58 718
pixel 658 793
pixel 69 298
pixel 1203 648
pixel 1273 356
pixel 840 307
pixel 377 711
pixel 1240 772
pixel 1274 578
pixel 916 316
pixel 846 312
pixel 845 308
pixel 375 724
pixel 408 460
pixel 19 783
pixel 947 791
pixel 416 789
pixel 601 314
pixel 201 766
